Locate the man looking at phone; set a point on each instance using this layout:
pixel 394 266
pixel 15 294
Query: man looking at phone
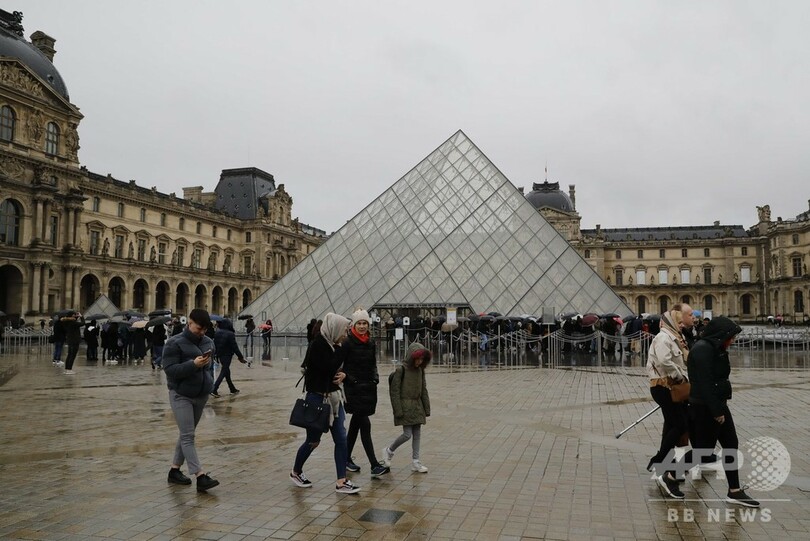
pixel 186 362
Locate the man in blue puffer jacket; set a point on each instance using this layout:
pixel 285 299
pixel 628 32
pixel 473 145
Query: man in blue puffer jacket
pixel 186 360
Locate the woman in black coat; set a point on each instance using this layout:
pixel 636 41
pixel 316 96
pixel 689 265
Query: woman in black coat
pixel 91 338
pixel 709 369
pixel 358 357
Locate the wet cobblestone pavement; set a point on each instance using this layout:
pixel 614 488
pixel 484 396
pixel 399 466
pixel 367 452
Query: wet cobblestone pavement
pixel 513 454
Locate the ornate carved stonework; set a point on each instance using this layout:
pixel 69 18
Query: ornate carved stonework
pixel 72 141
pixel 35 126
pixel 21 80
pixel 12 168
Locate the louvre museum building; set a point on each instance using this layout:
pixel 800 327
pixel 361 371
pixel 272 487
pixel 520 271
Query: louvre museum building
pixel 452 232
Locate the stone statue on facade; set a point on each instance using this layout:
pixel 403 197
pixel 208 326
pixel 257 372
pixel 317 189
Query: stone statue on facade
pixel 153 255
pixel 131 251
pixel 226 266
pixel 174 257
pixel 34 126
pixel 764 213
pixel 106 249
pixel 736 278
pixel 720 278
pixel 72 140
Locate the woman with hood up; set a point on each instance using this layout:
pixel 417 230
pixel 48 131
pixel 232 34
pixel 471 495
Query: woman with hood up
pixel 359 359
pixel 322 379
pixel 410 402
pixel 226 347
pixel 709 369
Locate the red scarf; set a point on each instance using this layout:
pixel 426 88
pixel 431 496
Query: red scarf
pixel 362 337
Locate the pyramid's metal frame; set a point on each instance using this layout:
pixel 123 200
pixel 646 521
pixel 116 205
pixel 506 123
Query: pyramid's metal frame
pixel 453 231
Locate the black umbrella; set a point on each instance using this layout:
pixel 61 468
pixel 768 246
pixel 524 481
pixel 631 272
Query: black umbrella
pixel 120 320
pixel 606 316
pixel 163 312
pixel 96 317
pixel 63 313
pixel 159 320
pixel 2 314
pixel 570 315
pixel 629 318
pixel 245 316
pixel 130 313
pixel 494 314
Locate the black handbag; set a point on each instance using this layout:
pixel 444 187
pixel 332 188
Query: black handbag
pixel 311 416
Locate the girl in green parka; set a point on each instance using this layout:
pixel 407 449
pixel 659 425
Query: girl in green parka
pixel 410 402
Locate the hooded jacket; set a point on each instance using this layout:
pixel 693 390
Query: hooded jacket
pixel 709 366
pixel 225 342
pixel 408 391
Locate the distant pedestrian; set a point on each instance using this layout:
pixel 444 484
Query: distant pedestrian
pixel 186 358
pixel 109 341
pixel 58 341
pixel 226 347
pixel 91 332
pixel 73 338
pixel 411 404
pixel 267 333
pixel 158 342
pixel 250 326
pixel 177 327
pixel 357 354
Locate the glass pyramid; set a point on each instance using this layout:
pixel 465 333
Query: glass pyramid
pixel 452 232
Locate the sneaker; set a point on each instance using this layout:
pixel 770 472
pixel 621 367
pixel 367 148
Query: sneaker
pixel 300 479
pixel 351 466
pixel 214 394
pixel 250 363
pixel 177 477
pixel 347 488
pixel 670 486
pixel 204 482
pixel 60 363
pixel 235 391
pixel 741 498
pixel 387 455
pixel 69 372
pixel 378 470
pixel 418 467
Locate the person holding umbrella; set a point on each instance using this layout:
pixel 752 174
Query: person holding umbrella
pixel 158 342
pixel 72 325
pixel 91 333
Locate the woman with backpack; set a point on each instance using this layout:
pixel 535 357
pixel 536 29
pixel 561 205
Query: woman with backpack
pixel 411 403
pixel 358 356
pixel 322 379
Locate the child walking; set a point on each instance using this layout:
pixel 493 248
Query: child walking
pixel 410 402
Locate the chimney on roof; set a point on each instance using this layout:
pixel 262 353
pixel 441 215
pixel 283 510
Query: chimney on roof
pixel 44 43
pixel 717 223
pixel 572 193
pixel 520 189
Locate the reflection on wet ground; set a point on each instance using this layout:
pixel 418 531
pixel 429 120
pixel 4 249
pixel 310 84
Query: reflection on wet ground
pixel 514 452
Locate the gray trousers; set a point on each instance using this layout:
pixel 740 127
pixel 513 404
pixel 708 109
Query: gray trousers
pixel 408 432
pixel 187 414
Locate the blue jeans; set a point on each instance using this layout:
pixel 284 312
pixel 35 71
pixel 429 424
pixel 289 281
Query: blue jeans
pixel 158 353
pixel 338 430
pixel 57 351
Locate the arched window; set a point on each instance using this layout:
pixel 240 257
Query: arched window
pixel 10 223
pixel 7 122
pixel 51 139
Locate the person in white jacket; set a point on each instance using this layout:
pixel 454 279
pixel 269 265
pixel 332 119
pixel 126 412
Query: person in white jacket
pixel 666 365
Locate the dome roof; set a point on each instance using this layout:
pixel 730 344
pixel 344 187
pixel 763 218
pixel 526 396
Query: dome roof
pixel 548 194
pixel 14 46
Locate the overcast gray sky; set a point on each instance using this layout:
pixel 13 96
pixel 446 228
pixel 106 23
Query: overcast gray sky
pixel 662 113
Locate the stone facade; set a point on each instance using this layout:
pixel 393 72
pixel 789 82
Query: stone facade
pixel 746 273
pixel 68 235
